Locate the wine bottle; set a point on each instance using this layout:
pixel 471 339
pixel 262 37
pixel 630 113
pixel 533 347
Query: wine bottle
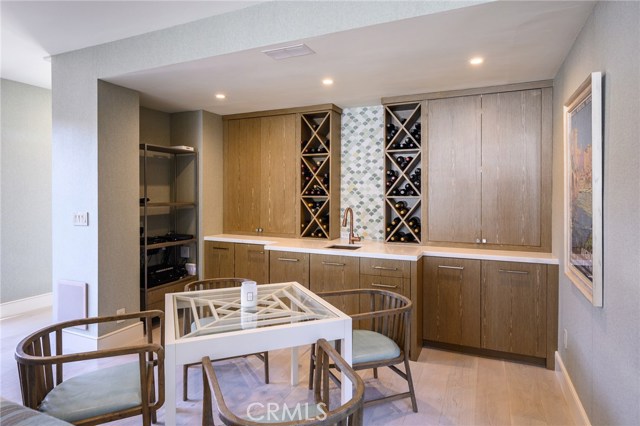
pixel 400 205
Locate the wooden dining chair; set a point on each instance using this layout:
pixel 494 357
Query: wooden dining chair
pixel 318 413
pixel 99 395
pixel 210 284
pixel 382 337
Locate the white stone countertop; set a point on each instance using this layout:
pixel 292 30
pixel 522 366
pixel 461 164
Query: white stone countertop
pixel 379 250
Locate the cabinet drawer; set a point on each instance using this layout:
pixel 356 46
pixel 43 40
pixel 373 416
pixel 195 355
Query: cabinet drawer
pixel 218 259
pixel 289 266
pixel 385 267
pixel 396 284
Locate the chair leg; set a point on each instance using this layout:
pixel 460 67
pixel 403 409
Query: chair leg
pixel 185 378
pixel 266 368
pixel 414 404
pixel 207 409
pixel 311 365
pixel 375 373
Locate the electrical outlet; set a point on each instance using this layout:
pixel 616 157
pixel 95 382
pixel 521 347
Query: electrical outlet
pixel 184 252
pixel 81 219
pixel 120 311
pixel 566 338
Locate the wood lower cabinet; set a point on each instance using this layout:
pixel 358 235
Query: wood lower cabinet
pixel 452 301
pixel 331 273
pixel 508 307
pixel 252 262
pixel 285 266
pixel 219 260
pixel 514 310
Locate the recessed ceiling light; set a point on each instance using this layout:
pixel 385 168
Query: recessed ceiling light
pixel 476 61
pixel 220 96
pixel 327 81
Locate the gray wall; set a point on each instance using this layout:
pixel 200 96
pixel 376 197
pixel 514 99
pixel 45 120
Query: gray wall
pixel 118 255
pixel 25 206
pixel 603 353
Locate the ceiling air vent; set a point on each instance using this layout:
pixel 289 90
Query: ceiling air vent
pixel 289 51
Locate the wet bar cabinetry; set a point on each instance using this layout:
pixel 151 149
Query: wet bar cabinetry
pixel 485 155
pixel 501 308
pixel 282 172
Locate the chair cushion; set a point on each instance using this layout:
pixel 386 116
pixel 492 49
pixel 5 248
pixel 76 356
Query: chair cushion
pixel 95 393
pixel 12 414
pixel 369 346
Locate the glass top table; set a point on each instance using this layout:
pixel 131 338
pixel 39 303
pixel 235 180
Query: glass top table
pixel 219 311
pixel 212 323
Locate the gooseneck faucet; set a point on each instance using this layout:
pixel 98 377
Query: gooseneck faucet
pixel 352 236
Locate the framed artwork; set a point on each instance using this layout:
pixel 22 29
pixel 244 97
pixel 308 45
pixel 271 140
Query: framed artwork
pixel 583 188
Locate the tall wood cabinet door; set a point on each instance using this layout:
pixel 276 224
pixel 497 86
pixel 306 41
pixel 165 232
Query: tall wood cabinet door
pixel 242 175
pixel 514 307
pixel 252 262
pixel 218 260
pixel 451 294
pixel 511 167
pixel 279 163
pixel 331 273
pixel 285 266
pixel 454 175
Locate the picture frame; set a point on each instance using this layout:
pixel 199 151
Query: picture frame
pixel 583 173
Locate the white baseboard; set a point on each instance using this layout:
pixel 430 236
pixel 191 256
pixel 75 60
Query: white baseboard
pixel 129 335
pixel 573 400
pixel 21 306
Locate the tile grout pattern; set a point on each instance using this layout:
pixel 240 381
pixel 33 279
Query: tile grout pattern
pixel 361 183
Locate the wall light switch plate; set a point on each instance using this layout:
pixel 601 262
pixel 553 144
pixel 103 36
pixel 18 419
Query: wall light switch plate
pixel 81 219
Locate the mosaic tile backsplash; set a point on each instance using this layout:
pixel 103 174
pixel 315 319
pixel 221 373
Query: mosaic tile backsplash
pixel 361 183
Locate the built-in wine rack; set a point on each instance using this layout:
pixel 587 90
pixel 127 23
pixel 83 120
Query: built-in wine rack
pixel 403 173
pixel 320 174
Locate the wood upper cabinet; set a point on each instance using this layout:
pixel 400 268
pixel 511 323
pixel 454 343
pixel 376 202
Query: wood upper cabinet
pixel 219 259
pixel 330 273
pixel 242 151
pixel 455 180
pixel 452 301
pixel 285 266
pixel 252 262
pixel 260 172
pixel 489 175
pixel 278 170
pixel 514 309
pixel 511 167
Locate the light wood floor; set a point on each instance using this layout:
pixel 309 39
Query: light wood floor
pixel 452 389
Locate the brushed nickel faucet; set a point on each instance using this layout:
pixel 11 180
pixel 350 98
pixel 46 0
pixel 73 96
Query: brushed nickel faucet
pixel 352 236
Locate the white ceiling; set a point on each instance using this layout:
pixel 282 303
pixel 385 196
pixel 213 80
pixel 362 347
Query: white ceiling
pixel 521 41
pixel 33 30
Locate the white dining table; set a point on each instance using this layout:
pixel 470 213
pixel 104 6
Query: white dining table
pixel 287 315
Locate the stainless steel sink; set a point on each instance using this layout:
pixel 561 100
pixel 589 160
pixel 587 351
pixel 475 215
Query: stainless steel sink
pixel 343 247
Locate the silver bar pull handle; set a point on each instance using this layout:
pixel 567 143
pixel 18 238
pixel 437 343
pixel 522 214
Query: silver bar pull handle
pixel 333 264
pixel 511 271
pixel 459 268
pixel 383 285
pixel 384 268
pixel 286 259
pixel 220 248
